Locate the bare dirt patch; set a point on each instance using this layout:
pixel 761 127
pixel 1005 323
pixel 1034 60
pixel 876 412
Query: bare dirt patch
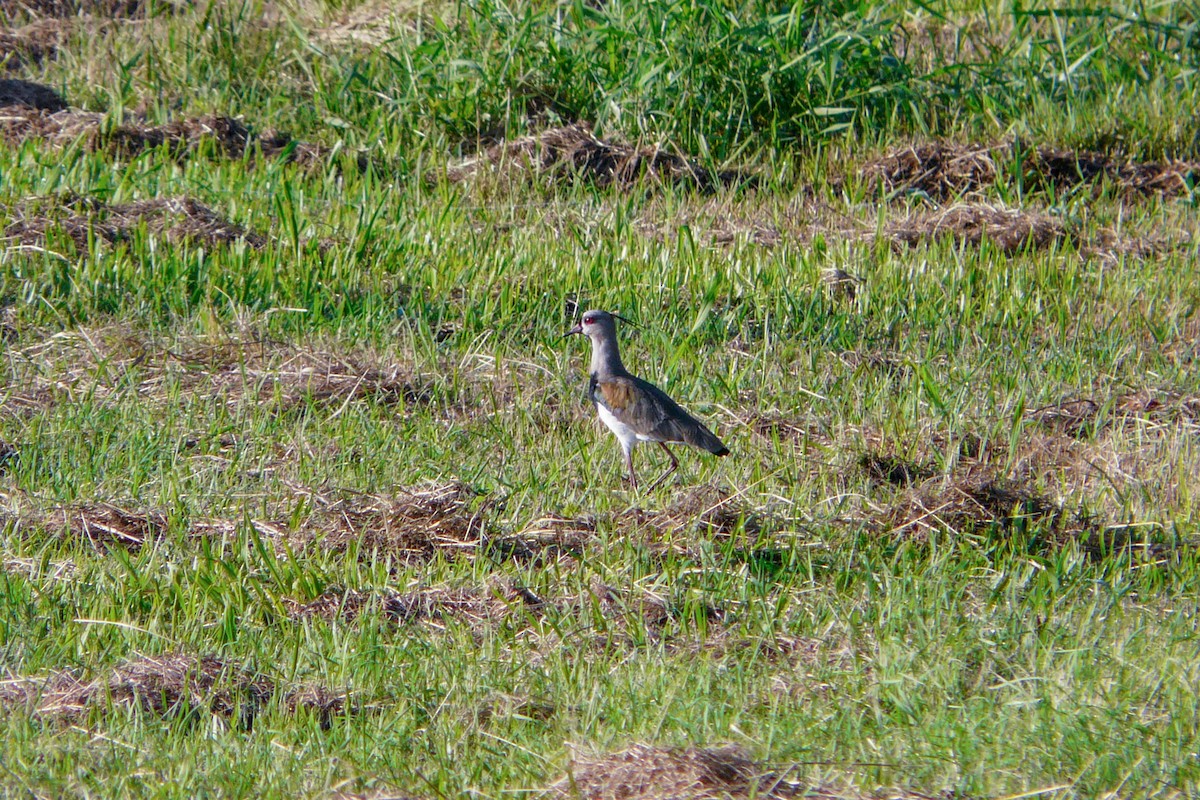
pixel 944 171
pixel 182 220
pixel 573 152
pixel 169 685
pixel 1010 230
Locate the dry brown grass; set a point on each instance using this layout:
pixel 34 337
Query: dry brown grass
pixel 945 170
pixel 106 526
pixel 100 361
pixel 1012 231
pixel 573 152
pixel 706 509
pixel 976 498
pixel 230 136
pixel 32 44
pixel 646 772
pixel 940 170
pixel 1086 417
pixel 417 524
pixel 477 607
pixel 106 9
pixel 168 685
pixel 31 111
pixel 182 220
pixel 597 619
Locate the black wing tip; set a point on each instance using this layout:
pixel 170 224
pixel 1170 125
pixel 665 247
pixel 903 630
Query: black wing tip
pixel 723 451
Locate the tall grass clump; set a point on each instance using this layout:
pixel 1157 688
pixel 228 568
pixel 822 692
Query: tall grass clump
pixel 718 77
pixel 711 76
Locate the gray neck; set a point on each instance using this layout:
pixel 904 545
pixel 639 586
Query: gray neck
pixel 606 358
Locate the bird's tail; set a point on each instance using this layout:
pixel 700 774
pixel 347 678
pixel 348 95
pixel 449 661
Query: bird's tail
pixel 705 439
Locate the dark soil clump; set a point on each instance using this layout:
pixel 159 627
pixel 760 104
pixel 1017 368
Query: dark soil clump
pixel 27 94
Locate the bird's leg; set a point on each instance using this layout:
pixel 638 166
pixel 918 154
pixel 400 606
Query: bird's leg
pixel 674 466
pixel 629 466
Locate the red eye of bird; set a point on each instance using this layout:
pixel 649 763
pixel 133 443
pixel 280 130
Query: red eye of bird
pixel 589 320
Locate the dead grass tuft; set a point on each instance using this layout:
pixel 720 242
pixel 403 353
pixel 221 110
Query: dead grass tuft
pixel 419 524
pixel 224 136
pixel 969 500
pixel 183 138
pixel 1084 417
pixel 1012 231
pixel 644 772
pixel 106 526
pixel 975 500
pixel 945 171
pixel 475 606
pixel 59 128
pixel 179 219
pixel 107 361
pixel 320 701
pixel 940 170
pixel 706 508
pixel 168 685
pixel 1054 168
pixel 787 428
pixel 573 152
pixel 104 9
pixel 32 44
pixel 548 537
pixel 598 618
pixel 27 94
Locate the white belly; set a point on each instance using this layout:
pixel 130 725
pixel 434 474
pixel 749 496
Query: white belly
pixel 628 436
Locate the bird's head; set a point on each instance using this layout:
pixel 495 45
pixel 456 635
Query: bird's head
pixel 597 324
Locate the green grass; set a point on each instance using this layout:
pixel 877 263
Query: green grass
pixel 823 618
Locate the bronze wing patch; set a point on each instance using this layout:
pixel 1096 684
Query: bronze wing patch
pixel 615 395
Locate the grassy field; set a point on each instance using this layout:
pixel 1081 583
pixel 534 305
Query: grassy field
pixel 300 495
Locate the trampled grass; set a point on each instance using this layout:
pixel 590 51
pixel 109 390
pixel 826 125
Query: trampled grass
pixel 300 496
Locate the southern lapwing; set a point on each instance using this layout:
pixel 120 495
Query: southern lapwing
pixel 633 409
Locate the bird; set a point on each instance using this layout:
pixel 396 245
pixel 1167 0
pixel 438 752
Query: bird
pixel 633 409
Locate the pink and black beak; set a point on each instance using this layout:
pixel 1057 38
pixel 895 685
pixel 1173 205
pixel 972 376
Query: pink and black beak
pixel 578 329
